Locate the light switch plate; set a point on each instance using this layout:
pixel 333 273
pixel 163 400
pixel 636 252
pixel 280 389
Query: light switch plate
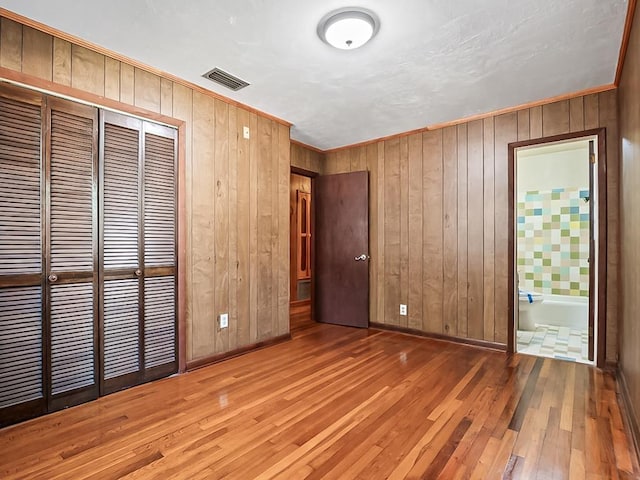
pixel 245 132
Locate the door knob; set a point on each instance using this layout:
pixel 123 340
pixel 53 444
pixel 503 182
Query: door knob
pixel 53 278
pixel 138 272
pixel 361 258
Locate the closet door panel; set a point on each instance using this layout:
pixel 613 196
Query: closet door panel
pixel 121 252
pixel 159 321
pixel 72 265
pixel 20 345
pixel 121 328
pixel 120 211
pixel 72 193
pixel 22 360
pixel 72 337
pixel 159 201
pixel 20 191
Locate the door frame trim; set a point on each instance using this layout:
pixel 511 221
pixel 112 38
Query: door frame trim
pixel 601 280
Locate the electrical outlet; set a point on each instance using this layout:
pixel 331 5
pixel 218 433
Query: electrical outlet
pixel 245 132
pixel 403 309
pixel 224 320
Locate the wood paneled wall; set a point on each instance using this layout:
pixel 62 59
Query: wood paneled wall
pixel 237 190
pixel 438 217
pixel 306 158
pixel 629 100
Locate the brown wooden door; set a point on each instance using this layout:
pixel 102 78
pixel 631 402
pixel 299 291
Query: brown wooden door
pixel 341 205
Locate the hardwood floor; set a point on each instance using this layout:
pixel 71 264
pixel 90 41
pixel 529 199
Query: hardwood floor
pixel 341 403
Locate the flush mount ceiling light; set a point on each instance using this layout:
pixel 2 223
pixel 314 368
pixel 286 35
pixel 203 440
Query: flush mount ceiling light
pixel 348 28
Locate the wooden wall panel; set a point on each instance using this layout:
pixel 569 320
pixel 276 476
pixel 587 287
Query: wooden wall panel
pixel 475 232
pixel 127 84
pixel 265 222
pixel 166 98
pixel 506 129
pixel 87 69
pixel 234 135
pixel 306 158
pixel 183 109
pixel 254 155
pixel 456 214
pixel 629 173
pixel 11 44
pixel 414 296
pixel 576 114
pixel 112 79
pixel 62 62
pixel 488 272
pixel 242 227
pixel 37 53
pixel 555 118
pixel 220 232
pixel 147 90
pixel 392 292
pixel 404 227
pixel 203 223
pixel 607 115
pixel 235 189
pixel 463 233
pixel 283 155
pixel 371 152
pixel 450 233
pixel 432 250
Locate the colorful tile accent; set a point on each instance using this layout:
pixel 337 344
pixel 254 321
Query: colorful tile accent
pixel 553 241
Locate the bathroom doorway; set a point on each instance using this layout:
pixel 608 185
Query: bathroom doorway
pixel 557 194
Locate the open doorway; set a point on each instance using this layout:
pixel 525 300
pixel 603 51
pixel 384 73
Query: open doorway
pixel 301 242
pixel 557 257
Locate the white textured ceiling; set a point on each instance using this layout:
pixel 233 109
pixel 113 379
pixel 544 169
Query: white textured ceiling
pixel 432 61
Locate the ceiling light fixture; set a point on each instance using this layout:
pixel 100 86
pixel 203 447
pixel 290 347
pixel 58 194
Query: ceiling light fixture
pixel 348 28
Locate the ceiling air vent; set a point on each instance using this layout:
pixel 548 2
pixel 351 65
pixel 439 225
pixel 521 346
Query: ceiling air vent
pixel 225 79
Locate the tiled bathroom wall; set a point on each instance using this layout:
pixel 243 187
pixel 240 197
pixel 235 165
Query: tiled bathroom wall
pixel 553 241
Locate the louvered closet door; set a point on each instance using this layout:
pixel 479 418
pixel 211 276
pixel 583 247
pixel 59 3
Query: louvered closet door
pixel 22 387
pixel 159 203
pixel 121 251
pixel 138 259
pixel 72 269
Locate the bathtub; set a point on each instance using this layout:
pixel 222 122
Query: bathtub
pixel 563 311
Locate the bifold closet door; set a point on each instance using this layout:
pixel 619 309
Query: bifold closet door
pixel 72 253
pixel 48 254
pixel 138 259
pixel 22 358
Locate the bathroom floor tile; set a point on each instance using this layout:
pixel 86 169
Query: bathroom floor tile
pixel 555 342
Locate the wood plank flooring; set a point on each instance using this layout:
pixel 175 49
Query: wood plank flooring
pixel 341 403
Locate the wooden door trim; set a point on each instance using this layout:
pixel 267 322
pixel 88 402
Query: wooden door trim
pixel 601 282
